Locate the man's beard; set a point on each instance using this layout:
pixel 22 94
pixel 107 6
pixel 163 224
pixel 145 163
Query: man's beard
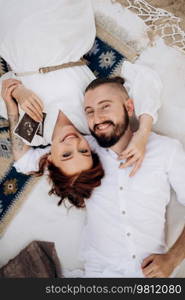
pixel 118 131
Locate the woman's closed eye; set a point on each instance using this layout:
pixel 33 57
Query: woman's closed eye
pixel 85 151
pixel 66 154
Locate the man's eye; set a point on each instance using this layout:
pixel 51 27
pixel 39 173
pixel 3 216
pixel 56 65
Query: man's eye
pixel 83 151
pixel 66 154
pixel 106 106
pixel 90 112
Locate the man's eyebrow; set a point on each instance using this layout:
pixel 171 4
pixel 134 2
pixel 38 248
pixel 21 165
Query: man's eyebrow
pixel 102 101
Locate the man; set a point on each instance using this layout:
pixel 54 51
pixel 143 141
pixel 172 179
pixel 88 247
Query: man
pixel 126 215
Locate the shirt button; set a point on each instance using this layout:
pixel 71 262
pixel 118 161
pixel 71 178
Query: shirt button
pixel 123 212
pixel 128 233
pixel 121 188
pixel 107 150
pixel 133 256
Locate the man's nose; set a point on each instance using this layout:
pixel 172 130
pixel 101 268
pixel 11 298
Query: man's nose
pixel 98 117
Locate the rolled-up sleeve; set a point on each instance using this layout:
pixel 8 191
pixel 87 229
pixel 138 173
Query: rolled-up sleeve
pixel 29 162
pixel 144 86
pixel 176 171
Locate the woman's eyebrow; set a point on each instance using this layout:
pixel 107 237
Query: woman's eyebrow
pixel 70 157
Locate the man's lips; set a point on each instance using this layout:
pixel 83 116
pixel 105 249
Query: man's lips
pixel 69 136
pixel 103 126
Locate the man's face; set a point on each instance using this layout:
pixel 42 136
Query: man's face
pixel 106 113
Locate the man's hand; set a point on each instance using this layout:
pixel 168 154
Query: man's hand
pixel 158 265
pixel 29 102
pixel 8 86
pixel 134 153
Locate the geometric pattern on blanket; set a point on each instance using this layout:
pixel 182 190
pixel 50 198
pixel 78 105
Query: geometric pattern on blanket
pixel 104 61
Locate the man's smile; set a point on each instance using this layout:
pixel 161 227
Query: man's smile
pixel 103 126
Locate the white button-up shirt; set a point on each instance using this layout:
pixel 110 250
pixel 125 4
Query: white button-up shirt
pixel 126 215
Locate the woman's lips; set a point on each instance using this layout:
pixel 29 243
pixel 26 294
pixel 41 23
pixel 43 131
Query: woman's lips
pixel 69 136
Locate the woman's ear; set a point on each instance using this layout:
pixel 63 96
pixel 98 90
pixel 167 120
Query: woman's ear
pixel 129 105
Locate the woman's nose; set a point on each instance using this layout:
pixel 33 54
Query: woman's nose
pixel 72 140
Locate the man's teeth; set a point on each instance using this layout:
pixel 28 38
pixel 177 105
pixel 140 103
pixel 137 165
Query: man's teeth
pixel 103 126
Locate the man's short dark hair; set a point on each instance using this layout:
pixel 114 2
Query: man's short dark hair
pixel 119 81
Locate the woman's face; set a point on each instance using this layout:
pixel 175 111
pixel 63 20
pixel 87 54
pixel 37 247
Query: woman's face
pixel 70 151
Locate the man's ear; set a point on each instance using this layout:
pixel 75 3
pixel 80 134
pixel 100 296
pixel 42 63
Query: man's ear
pixel 133 121
pixel 129 105
pixel 49 158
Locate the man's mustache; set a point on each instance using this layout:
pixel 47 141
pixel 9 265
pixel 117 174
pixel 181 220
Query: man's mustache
pixel 105 122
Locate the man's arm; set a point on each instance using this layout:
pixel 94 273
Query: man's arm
pixel 162 265
pixel 177 251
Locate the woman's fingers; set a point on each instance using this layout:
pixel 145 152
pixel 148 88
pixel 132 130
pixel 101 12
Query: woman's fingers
pixel 39 102
pixel 37 107
pixel 136 167
pixel 129 162
pixel 127 153
pixel 32 112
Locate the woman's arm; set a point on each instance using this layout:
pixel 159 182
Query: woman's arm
pixel 26 158
pixel 18 146
pixel 135 151
pixel 144 87
pixel 29 102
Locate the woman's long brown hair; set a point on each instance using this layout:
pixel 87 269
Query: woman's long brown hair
pixel 75 188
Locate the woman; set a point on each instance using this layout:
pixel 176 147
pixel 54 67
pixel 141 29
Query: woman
pixel 73 169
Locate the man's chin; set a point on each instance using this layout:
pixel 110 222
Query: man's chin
pixel 102 139
pixel 105 141
pixel 105 134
